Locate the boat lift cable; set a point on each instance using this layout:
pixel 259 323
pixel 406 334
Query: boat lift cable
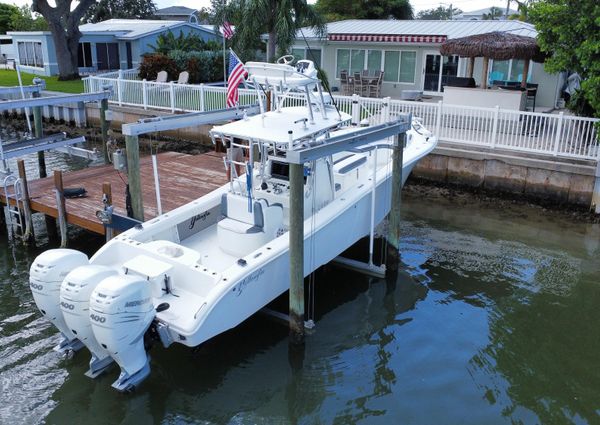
pixel 312 58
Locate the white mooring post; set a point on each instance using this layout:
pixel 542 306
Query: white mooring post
pixel 559 126
pixel 120 88
pixel 202 109
pixel 438 120
pixel 145 93
pixel 355 109
pixel 172 91
pixel 494 127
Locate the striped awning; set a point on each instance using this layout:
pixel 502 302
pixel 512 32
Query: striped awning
pixel 380 38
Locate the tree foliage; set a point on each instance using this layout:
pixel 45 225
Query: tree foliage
pixel 120 9
pixel 337 10
pixel 23 20
pixel 280 19
pixel 494 14
pixel 440 13
pixel 568 32
pixel 6 13
pixel 186 43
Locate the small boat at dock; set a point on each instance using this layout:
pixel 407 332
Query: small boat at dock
pixel 205 267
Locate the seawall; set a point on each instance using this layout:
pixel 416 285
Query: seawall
pixel 557 180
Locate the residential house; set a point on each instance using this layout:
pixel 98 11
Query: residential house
pixel 108 45
pixel 478 15
pixel 178 13
pixel 408 54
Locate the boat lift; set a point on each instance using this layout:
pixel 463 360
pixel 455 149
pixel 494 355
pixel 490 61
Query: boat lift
pixel 163 123
pixel 40 143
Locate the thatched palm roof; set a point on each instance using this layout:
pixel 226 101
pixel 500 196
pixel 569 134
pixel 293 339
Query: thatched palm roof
pixel 494 45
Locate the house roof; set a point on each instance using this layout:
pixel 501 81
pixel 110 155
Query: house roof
pixel 175 11
pixel 130 29
pixel 419 28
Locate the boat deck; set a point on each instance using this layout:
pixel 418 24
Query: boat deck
pixel 183 178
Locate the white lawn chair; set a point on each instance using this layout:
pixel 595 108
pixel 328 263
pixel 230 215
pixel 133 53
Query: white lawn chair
pixel 162 77
pixel 184 77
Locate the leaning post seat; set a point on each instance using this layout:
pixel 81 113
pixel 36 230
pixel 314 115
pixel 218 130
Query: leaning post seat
pixel 240 232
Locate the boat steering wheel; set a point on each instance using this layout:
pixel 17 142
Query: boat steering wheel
pixel 286 60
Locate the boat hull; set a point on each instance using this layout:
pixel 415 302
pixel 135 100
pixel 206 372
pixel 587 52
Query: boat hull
pixel 262 284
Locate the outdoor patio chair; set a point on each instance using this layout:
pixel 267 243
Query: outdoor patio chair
pixel 360 87
pixel 162 77
pixel 374 87
pixel 346 83
pixel 184 77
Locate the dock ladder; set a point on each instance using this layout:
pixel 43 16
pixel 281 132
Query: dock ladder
pixel 15 215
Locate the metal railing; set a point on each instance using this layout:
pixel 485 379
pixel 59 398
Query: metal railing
pixel 541 133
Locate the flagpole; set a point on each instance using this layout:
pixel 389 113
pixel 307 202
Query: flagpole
pixel 224 62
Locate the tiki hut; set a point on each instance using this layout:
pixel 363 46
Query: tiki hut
pixel 495 45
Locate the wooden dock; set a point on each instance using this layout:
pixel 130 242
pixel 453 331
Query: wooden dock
pixel 183 178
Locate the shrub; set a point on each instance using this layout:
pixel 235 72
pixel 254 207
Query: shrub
pixel 152 64
pixel 204 67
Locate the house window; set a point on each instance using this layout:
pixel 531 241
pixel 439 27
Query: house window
pixel 310 54
pixel 30 53
pixel 84 55
pixel 509 70
pixel 108 56
pixel 399 66
pixel 373 61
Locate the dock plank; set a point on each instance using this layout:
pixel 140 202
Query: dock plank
pixel 183 178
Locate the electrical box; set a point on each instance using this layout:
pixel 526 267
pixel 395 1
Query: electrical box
pixel 108 114
pixel 120 160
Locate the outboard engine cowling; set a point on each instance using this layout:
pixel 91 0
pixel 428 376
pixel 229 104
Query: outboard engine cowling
pixel 75 293
pixel 121 311
pixel 45 277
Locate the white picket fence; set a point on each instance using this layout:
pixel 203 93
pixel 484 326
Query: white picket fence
pixel 548 134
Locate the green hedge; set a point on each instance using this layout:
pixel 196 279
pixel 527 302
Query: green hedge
pixel 204 66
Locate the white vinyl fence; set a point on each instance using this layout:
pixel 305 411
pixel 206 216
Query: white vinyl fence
pixel 541 133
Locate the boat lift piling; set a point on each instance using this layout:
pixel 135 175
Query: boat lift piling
pixel 296 159
pixel 393 236
pixel 163 123
pixel 61 207
pixel 39 132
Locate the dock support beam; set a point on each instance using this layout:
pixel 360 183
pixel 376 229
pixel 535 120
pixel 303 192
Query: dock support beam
pixel 393 237
pixel 104 129
pixel 61 208
pixel 296 233
pixel 28 236
pixel 132 148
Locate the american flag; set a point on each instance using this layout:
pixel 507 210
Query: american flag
pixel 237 73
pixel 227 30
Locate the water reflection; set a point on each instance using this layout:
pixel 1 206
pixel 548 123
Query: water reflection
pixel 492 320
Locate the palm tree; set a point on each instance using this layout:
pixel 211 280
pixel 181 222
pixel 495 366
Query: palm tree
pixel 280 19
pixel 495 14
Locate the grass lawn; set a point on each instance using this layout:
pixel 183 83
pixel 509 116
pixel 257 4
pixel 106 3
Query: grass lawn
pixel 9 78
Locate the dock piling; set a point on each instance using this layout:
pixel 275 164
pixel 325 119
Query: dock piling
pixel 28 236
pixel 393 237
pixel 104 129
pixel 39 132
pixel 296 253
pixel 61 207
pixel 107 201
pixel 133 175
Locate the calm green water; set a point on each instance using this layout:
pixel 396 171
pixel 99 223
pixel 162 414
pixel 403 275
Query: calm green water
pixel 493 320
